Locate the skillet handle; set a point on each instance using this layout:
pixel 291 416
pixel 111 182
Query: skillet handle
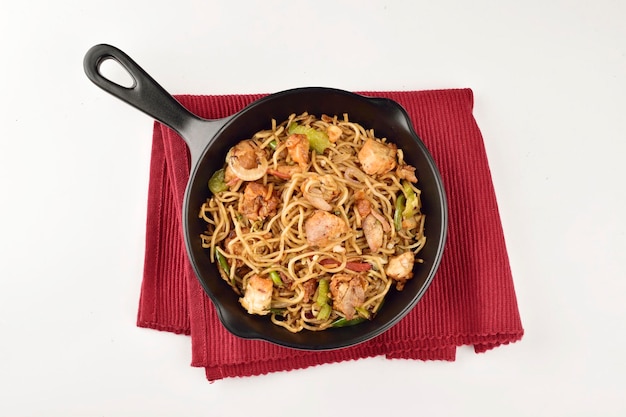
pixel 146 95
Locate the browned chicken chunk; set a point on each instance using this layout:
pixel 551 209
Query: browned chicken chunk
pixel 309 289
pixel 373 231
pixel 400 268
pixel 334 133
pixel 285 172
pixel 348 292
pixel 298 148
pixel 246 162
pixel 361 204
pixel 246 154
pixel 377 158
pixel 229 176
pixel 322 228
pixel 257 298
pixel 258 202
pixel 406 172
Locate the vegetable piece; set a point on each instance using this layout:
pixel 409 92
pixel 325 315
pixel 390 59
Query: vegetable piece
pixel 344 322
pixel 363 312
pixel 223 262
pixel 322 292
pixel 273 145
pixel 407 205
pixel 324 312
pixel 276 279
pixel 412 202
pixel 358 266
pixel 276 173
pixel 217 183
pixel 284 172
pixel 317 140
pixel 221 259
pixel 322 299
pixel 397 215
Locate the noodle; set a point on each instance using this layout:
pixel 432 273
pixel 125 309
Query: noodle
pixel 314 237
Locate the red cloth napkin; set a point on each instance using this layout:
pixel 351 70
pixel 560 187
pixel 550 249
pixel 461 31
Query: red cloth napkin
pixel 471 300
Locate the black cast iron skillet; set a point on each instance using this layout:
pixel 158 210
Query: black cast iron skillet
pixel 209 141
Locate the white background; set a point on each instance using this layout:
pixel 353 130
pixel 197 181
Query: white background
pixel 549 79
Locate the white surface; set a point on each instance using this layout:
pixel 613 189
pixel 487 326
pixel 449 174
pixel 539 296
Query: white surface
pixel 549 79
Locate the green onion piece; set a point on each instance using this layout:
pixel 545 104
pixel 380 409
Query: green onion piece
pixel 324 312
pixel 412 202
pixel 397 215
pixel 221 259
pixel 273 145
pixel 322 299
pixel 216 182
pixel 276 279
pixel 363 312
pixel 318 140
pixel 322 292
pixel 344 322
pixel 278 311
pixel 406 188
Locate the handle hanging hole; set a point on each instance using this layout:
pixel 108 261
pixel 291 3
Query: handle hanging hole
pixel 113 71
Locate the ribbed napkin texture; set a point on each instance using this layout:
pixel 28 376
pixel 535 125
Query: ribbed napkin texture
pixel 471 301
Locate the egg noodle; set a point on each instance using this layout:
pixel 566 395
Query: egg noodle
pixel 316 226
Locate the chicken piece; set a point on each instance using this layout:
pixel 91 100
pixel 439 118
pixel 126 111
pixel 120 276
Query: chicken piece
pixel 406 172
pixel 410 223
pixel 258 202
pixel 364 207
pixel 246 154
pixel 310 287
pixel 285 172
pixel 322 228
pixel 229 176
pixel 320 191
pixel 373 231
pixel 400 268
pixel 361 204
pixel 377 158
pixel 334 133
pixel 246 161
pixel 298 148
pixel 257 297
pixel 348 292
